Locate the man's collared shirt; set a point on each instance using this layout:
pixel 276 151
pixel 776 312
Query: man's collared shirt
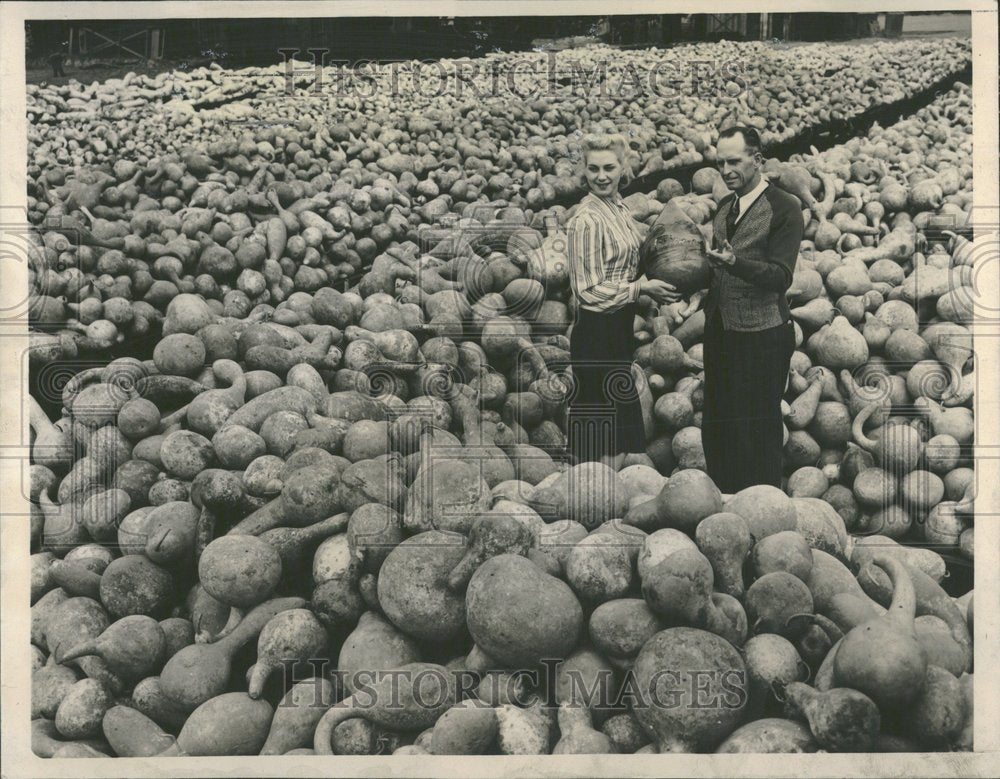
pixel 750 198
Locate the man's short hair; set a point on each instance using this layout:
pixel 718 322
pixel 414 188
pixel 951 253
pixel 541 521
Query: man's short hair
pixel 750 136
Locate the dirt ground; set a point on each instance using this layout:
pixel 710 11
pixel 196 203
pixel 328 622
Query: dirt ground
pixel 41 73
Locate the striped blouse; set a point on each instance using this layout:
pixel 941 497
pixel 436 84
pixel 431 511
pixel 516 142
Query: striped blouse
pixel 603 253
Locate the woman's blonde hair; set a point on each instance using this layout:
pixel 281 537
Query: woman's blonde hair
pixel 615 142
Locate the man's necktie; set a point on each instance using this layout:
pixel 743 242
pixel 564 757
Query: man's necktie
pixel 734 212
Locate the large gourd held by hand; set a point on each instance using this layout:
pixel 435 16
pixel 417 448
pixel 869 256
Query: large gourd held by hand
pixel 674 251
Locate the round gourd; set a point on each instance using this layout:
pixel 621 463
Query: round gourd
pixel 673 714
pixel 676 251
pixel 412 586
pixel 519 614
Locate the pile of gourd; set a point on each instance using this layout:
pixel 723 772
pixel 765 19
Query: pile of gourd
pixel 358 489
pixel 163 172
pixel 549 93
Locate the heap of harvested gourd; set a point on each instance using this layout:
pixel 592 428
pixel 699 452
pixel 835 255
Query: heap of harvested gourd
pixel 144 187
pixel 320 520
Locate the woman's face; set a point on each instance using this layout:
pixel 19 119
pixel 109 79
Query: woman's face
pixel 603 172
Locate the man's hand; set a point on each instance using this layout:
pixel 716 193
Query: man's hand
pixel 721 259
pixel 660 291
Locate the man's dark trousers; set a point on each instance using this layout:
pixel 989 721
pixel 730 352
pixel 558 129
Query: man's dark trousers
pixel 745 374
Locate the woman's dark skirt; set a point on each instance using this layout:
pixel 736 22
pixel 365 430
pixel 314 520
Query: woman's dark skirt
pixel 605 416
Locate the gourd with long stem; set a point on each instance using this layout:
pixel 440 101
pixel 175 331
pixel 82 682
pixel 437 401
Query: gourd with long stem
pixel 899 244
pixel 293 634
pixel 882 657
pixel 199 672
pixel 134 646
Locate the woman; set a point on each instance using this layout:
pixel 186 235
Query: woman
pixel 605 418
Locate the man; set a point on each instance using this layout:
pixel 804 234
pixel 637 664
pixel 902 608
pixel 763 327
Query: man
pixel 56 60
pixel 749 337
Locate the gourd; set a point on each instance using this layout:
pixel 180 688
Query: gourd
pixel 674 251
pixel 519 614
pixel 468 728
pixel 578 736
pixel 882 658
pixel 293 634
pixel 725 540
pixel 135 646
pixel 199 672
pixel 840 719
pixel 688 497
pixel 771 735
pixel 412 699
pixel 548 263
pixel 684 726
pixel 896 447
pixel 296 716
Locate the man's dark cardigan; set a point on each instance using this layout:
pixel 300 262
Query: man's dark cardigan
pixel 750 294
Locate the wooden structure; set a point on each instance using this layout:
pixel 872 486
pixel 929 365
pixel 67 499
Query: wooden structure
pixel 117 40
pixel 893 25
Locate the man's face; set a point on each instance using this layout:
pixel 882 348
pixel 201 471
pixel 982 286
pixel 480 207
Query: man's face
pixel 739 168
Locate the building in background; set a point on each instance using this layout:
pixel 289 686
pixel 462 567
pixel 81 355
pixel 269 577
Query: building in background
pixel 238 42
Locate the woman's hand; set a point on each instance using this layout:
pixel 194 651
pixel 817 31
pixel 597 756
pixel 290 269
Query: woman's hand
pixel 660 291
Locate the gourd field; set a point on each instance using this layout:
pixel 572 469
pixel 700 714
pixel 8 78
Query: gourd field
pixel 299 373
